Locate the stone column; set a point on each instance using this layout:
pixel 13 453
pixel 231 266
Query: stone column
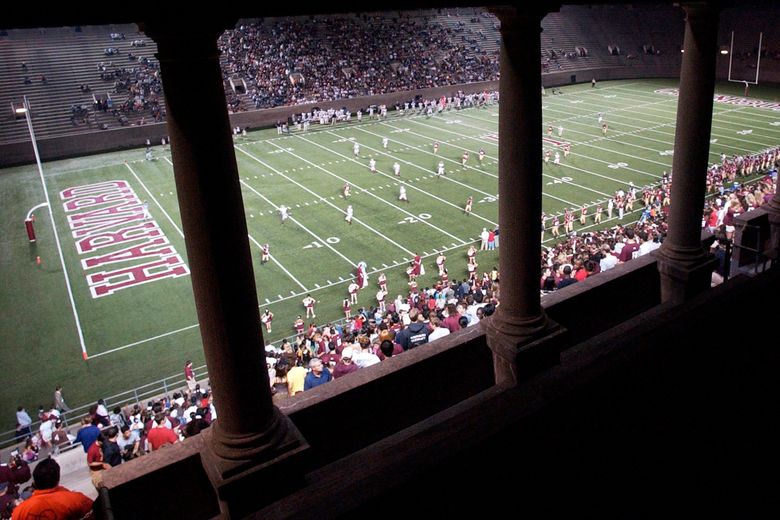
pixel 773 210
pixel 519 319
pixel 250 431
pixel 684 266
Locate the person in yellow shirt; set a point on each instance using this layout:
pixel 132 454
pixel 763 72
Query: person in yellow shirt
pixel 295 378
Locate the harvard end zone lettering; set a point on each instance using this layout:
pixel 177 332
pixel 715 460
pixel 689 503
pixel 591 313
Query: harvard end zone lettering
pixel 110 215
pixel 730 100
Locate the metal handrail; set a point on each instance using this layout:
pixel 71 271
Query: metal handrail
pixel 137 395
pixel 761 258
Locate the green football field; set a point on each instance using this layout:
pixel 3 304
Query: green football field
pixel 132 319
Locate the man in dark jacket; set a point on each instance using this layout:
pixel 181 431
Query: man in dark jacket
pixel 415 334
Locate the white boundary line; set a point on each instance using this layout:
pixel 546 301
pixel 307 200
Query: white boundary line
pixel 279 300
pixel 139 342
pixel 56 235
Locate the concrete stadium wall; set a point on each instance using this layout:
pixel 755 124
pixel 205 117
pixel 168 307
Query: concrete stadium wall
pixel 135 136
pixel 569 77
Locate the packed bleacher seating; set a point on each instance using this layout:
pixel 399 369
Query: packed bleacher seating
pixel 80 79
pixel 268 62
pixel 382 54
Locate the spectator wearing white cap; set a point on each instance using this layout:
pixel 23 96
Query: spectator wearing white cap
pixel 345 366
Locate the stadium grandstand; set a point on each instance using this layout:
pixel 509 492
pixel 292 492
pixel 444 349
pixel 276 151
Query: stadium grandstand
pixel 228 199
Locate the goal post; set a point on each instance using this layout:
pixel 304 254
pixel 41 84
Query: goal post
pixel 747 80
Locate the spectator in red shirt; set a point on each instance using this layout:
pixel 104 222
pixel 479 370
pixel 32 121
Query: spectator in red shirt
pixel 451 321
pixel 159 435
pixel 189 376
pixel 628 249
pixel 96 462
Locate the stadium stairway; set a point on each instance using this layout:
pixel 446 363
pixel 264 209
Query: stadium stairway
pixel 74 473
pixel 67 59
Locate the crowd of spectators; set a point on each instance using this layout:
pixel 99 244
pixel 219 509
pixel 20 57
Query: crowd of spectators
pixel 292 62
pixel 320 353
pixel 138 79
pixel 578 256
pixel 140 82
pixel 107 437
pixel 334 350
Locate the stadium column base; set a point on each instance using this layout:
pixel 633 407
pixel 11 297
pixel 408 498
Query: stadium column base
pixel 523 348
pixel 682 279
pixel 246 485
pixel 773 210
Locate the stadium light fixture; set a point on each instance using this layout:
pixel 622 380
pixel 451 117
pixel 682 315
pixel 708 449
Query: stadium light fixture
pixel 18 108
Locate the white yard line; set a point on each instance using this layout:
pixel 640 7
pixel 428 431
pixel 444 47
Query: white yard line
pixel 274 260
pixel 427 171
pixel 377 197
pixel 320 240
pixel 714 132
pixel 325 200
pixel 716 124
pixel 472 168
pixel 588 143
pixel 494 143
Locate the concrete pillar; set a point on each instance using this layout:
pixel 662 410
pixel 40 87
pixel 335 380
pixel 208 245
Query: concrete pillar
pixel 684 266
pixel 773 209
pixel 519 319
pixel 250 433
